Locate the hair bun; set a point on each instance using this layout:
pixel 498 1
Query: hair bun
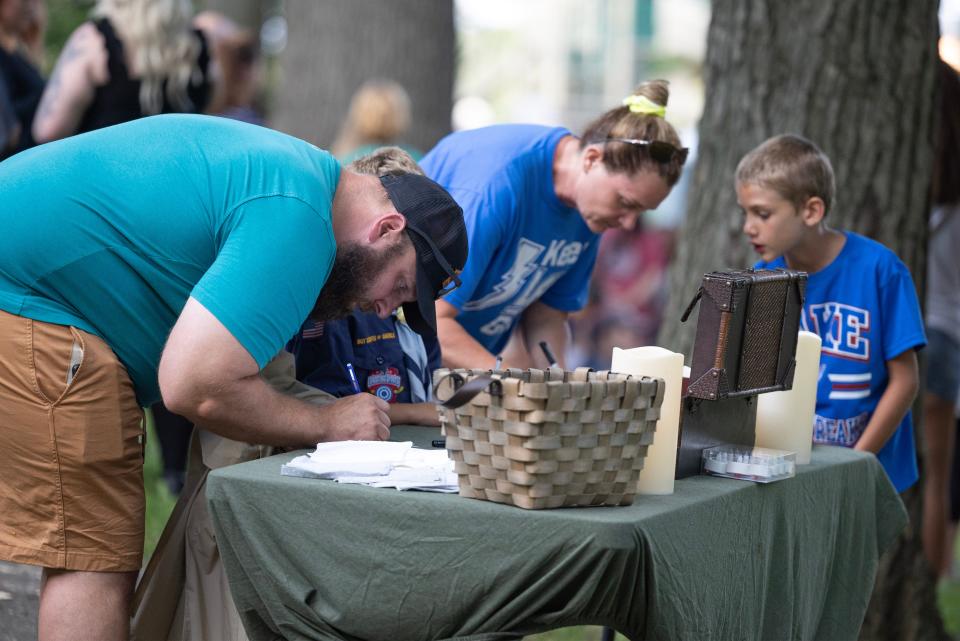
pixel 657 91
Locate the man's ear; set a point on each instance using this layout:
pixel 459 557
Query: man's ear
pixel 387 225
pixel 813 211
pixel 592 155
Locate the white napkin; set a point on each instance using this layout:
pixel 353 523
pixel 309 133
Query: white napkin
pixel 341 458
pixel 378 464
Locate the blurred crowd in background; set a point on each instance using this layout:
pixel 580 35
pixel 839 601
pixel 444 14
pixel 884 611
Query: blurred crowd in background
pixel 71 66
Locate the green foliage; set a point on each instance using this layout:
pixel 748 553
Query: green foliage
pixel 63 17
pixel 948 595
pixel 159 500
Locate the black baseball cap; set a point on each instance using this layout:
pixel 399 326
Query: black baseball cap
pixel 435 225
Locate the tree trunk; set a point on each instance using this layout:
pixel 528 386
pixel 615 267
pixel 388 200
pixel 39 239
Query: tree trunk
pixel 335 45
pixel 858 78
pixel 246 13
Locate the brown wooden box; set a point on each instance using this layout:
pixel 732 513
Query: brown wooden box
pixel 746 332
pixel 745 345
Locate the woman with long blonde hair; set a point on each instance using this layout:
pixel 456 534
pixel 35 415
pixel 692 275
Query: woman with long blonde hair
pixel 134 58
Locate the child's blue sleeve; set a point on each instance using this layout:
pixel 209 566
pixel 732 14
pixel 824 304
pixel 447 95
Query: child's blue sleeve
pixel 903 325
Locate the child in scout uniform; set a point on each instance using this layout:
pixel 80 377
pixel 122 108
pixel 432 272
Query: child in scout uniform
pixel 860 300
pixel 389 359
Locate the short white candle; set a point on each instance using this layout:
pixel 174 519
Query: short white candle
pixel 785 419
pixel 660 465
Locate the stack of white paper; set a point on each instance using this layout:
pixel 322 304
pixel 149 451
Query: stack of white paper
pixel 378 464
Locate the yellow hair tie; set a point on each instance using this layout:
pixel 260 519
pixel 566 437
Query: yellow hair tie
pixel 643 105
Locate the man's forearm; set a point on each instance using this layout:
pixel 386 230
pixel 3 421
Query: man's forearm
pixel 281 374
pixel 249 410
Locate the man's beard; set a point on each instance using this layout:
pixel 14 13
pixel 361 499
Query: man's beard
pixel 354 270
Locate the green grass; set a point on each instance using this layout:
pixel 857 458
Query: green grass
pixel 948 595
pixel 948 598
pixel 159 500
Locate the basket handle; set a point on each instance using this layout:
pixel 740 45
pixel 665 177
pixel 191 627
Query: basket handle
pixel 466 392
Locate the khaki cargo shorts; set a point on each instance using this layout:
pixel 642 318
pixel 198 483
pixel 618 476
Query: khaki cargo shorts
pixel 71 451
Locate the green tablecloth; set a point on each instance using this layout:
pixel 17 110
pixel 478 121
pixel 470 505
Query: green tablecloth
pixel 718 559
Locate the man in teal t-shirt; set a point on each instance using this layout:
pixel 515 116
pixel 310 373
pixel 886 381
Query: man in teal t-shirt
pixel 177 254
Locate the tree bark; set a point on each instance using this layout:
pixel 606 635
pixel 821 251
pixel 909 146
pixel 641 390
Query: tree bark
pixel 858 78
pixel 246 13
pixel 334 46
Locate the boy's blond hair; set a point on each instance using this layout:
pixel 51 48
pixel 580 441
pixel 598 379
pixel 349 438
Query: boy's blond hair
pixel 385 161
pixel 793 167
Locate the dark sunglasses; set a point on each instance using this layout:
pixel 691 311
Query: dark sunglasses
pixel 659 151
pixel 448 285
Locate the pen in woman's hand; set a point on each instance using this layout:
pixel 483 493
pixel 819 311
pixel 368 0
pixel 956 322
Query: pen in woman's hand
pixel 549 354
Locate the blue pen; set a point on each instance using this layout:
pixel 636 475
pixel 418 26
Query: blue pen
pixel 353 378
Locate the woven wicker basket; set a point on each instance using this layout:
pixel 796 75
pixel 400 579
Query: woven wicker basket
pixel 549 438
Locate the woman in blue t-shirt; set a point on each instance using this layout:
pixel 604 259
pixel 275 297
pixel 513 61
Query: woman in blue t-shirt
pixel 535 200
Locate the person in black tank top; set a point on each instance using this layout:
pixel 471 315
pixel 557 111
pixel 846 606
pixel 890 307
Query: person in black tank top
pixel 119 99
pixel 94 86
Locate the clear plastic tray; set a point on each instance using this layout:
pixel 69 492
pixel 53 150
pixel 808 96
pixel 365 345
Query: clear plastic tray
pixel 758 464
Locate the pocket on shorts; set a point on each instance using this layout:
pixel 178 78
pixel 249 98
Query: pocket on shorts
pixel 57 355
pixel 94 409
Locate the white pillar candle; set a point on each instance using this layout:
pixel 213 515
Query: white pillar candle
pixel 785 419
pixel 660 465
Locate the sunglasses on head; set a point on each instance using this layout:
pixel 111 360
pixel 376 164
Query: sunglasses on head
pixel 659 150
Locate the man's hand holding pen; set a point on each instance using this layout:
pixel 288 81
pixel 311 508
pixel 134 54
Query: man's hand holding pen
pixel 360 417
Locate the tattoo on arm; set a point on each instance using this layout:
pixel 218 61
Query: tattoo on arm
pixel 51 99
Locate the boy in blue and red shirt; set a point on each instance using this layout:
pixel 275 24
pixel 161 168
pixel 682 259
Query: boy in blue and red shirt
pixel 860 300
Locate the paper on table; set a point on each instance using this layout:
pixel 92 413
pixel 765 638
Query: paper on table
pixel 659 467
pixel 785 419
pixel 434 478
pixel 378 464
pixel 352 457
